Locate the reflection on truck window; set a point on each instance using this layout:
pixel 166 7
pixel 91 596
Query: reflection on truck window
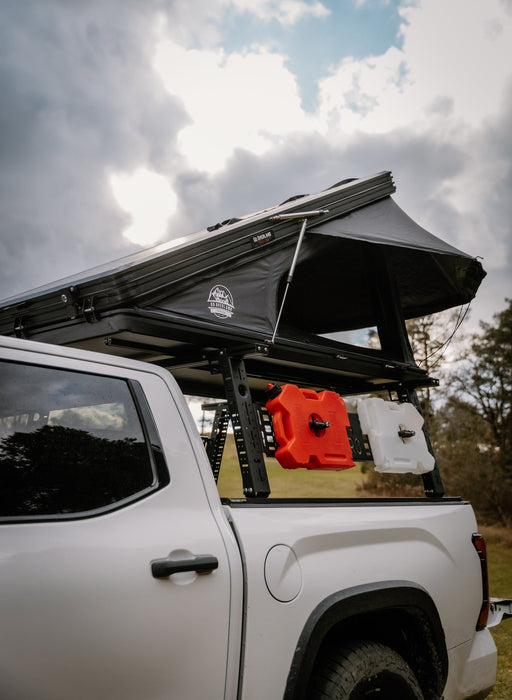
pixel 69 442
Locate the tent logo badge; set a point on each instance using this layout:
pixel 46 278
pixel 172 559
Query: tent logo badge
pixel 220 301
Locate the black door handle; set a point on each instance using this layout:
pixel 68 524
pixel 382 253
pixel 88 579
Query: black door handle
pixel 200 563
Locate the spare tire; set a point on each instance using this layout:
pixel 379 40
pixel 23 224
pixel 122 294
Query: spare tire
pixel 363 671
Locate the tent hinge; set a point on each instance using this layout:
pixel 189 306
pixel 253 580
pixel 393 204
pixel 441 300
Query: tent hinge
pixel 19 327
pixel 70 301
pixel 89 310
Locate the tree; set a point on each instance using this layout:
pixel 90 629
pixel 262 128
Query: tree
pixel 487 380
pixel 432 339
pixel 461 440
pixel 473 434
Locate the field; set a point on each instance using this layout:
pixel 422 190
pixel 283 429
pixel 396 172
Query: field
pixel 289 483
pixel 499 545
pixel 292 483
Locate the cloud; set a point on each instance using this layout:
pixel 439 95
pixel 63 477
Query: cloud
pixel 148 198
pixel 287 12
pixel 460 49
pixel 443 69
pixel 202 22
pixel 248 100
pixel 79 101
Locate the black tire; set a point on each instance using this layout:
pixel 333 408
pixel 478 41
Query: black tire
pixel 363 671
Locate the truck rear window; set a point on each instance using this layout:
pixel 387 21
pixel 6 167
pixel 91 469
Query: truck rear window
pixel 70 442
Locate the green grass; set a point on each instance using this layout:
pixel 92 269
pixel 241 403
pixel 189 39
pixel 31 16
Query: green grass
pixel 295 483
pixel 499 546
pixel 289 483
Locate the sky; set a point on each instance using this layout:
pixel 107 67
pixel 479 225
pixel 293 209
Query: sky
pixel 125 123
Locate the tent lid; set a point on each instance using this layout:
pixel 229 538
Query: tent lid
pixel 225 240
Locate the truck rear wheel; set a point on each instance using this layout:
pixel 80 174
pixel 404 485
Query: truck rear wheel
pixel 363 671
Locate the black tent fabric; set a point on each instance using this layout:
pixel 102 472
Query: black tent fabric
pixel 430 274
pixel 239 295
pixel 386 223
pixel 333 288
pixel 232 278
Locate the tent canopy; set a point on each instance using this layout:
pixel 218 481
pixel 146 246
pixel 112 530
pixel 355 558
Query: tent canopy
pixel 430 275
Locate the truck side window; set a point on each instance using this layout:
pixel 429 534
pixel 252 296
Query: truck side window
pixel 70 443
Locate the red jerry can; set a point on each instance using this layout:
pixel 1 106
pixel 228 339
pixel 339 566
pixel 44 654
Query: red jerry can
pixel 310 428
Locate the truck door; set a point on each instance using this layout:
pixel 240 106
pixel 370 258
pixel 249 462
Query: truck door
pixel 87 502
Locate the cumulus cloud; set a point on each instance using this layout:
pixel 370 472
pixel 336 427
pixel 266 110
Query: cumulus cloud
pixel 445 68
pixel 244 100
pixel 79 100
pixel 288 12
pixel 150 213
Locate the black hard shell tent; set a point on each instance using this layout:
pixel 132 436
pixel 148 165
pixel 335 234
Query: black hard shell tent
pixel 201 302
pixel 360 264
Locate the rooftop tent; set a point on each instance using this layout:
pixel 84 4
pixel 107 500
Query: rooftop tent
pixel 223 287
pixel 333 285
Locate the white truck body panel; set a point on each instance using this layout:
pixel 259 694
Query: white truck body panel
pixel 352 545
pixel 80 610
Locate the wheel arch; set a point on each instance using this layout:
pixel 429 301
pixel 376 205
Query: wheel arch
pixel 400 614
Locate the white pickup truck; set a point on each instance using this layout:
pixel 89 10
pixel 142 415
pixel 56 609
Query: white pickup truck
pixel 124 574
